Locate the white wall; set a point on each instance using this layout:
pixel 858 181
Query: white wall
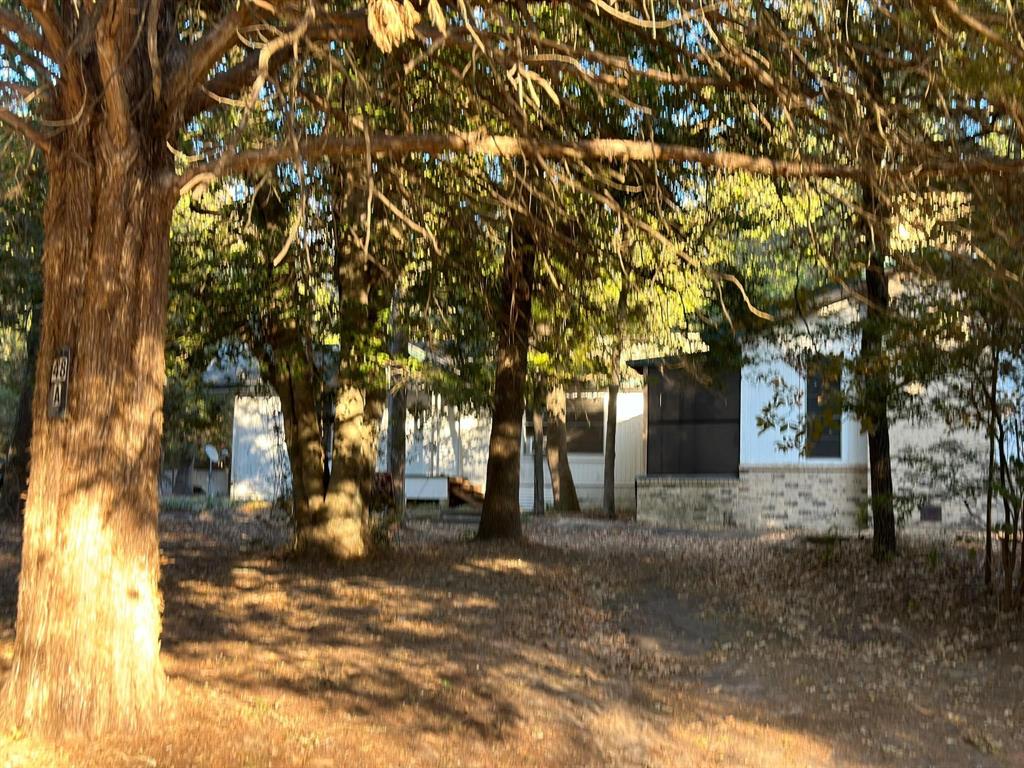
pixel 757 389
pixel 766 366
pixel 441 442
pixel 925 437
pixel 259 459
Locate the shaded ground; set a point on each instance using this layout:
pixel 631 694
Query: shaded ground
pixel 594 644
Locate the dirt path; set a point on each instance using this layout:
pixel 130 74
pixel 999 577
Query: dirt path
pixel 594 644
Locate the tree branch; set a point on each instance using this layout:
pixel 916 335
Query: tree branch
pixel 231 82
pixel 505 146
pixel 12 23
pixel 25 129
pixel 53 31
pixel 205 53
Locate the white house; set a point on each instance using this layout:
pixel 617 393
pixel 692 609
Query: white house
pixel 445 442
pixel 689 452
pixel 712 459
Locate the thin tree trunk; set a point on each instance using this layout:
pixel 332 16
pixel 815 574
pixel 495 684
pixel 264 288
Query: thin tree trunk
pixel 182 485
pixel 991 468
pixel 610 433
pixel 1005 542
pixel 875 405
pixel 611 428
pixel 500 517
pixel 87 645
pixel 16 467
pixel 562 485
pixel 397 410
pixel 538 461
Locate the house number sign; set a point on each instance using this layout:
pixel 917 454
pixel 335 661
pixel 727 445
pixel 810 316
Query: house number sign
pixel 60 375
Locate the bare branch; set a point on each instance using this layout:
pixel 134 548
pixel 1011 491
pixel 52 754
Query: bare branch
pixel 977 25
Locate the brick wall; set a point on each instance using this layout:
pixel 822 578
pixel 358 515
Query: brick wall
pixel 770 496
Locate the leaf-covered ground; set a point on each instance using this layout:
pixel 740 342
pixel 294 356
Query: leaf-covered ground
pixel 594 644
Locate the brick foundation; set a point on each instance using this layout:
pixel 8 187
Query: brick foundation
pixel 762 497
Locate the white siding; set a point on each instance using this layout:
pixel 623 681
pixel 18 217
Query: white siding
pixel 259 460
pixel 441 442
pixel 766 365
pixel 758 448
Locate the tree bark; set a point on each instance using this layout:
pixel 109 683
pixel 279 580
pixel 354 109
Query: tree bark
pixel 182 485
pixel 397 410
pixel 294 381
pixel 993 410
pixel 875 394
pixel 610 433
pixel 17 465
pixel 500 517
pixel 343 528
pixel 86 651
pixel 612 426
pixel 538 462
pixel 563 488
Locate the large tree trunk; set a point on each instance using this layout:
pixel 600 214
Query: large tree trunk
pixel 16 467
pixel 563 488
pixel 294 381
pixel 343 530
pixel 875 394
pixel 87 646
pixel 500 518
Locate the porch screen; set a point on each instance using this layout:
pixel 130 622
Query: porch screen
pixel 692 429
pixel 584 424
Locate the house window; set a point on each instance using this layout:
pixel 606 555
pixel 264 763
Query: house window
pixel 584 424
pixel 824 436
pixel 931 513
pixel 693 428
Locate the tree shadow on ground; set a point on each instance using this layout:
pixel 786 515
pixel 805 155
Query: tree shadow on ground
pixel 593 644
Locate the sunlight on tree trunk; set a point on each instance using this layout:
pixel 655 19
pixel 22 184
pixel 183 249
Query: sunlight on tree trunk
pixel 87 645
pixel 563 487
pixel 340 531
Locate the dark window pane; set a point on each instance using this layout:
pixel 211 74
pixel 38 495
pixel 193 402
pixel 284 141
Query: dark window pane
pixel 824 409
pixel 584 424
